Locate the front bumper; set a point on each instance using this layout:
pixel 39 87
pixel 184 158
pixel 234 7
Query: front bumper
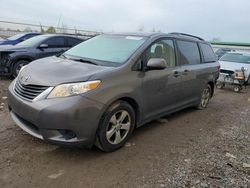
pixel 66 121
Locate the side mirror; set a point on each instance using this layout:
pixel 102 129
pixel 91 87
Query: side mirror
pixel 43 46
pixel 156 64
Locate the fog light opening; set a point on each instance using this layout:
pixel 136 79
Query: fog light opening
pixel 67 134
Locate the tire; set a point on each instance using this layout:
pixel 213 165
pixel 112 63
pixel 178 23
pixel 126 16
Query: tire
pixel 205 97
pixel 219 86
pixel 17 67
pixel 116 127
pixel 237 89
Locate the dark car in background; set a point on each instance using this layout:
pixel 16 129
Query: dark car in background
pixel 12 59
pixel 13 40
pixel 99 91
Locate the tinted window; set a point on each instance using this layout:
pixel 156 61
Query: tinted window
pixel 188 52
pixel 208 53
pixel 55 42
pixel 73 41
pixel 162 49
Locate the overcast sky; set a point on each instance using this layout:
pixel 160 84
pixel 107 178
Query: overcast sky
pixel 228 20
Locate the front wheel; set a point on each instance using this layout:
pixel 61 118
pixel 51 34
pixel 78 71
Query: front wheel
pixel 205 97
pixel 115 127
pixel 18 66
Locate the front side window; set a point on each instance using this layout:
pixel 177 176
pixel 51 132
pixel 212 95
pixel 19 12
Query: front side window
pixel 162 49
pixel 115 49
pixel 189 53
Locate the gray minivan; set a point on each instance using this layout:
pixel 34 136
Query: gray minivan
pixel 99 91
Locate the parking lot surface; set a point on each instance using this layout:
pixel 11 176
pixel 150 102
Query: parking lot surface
pixel 191 148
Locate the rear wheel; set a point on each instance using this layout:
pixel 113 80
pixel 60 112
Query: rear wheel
pixel 18 66
pixel 205 97
pixel 116 127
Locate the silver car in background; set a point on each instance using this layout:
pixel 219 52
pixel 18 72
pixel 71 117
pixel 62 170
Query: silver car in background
pixel 237 60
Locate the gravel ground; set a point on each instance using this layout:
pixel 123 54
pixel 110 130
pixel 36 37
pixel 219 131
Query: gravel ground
pixel 191 148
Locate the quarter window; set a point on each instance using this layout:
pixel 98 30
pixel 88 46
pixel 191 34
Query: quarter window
pixel 188 53
pixel 208 53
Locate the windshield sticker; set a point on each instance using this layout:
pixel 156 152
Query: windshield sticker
pixel 133 38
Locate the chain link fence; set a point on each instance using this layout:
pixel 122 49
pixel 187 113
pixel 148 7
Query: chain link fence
pixel 8 28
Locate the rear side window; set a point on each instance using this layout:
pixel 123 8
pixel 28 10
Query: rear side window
pixel 208 53
pixel 189 53
pixel 73 41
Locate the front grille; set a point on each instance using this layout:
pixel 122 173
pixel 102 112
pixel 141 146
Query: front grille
pixel 226 71
pixel 29 92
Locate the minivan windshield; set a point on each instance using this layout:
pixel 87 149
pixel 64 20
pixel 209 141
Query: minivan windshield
pixel 34 41
pixel 109 48
pixel 236 57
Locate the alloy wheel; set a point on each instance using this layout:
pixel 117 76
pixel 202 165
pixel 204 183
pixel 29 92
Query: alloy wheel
pixel 205 97
pixel 118 128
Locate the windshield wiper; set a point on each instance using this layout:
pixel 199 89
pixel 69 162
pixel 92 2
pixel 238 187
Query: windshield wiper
pixel 84 61
pixel 63 56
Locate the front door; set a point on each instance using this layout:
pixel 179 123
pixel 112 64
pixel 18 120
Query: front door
pixel 162 89
pixel 56 45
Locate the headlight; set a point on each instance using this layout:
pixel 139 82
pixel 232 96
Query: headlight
pixel 65 90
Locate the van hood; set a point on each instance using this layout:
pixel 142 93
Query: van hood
pixel 54 70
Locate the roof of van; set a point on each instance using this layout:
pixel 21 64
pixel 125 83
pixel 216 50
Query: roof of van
pixel 176 35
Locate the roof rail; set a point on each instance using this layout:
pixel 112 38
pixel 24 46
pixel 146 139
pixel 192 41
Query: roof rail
pixel 184 34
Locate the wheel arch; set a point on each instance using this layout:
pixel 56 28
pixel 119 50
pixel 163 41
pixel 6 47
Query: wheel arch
pixel 212 87
pixel 22 58
pixel 132 102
